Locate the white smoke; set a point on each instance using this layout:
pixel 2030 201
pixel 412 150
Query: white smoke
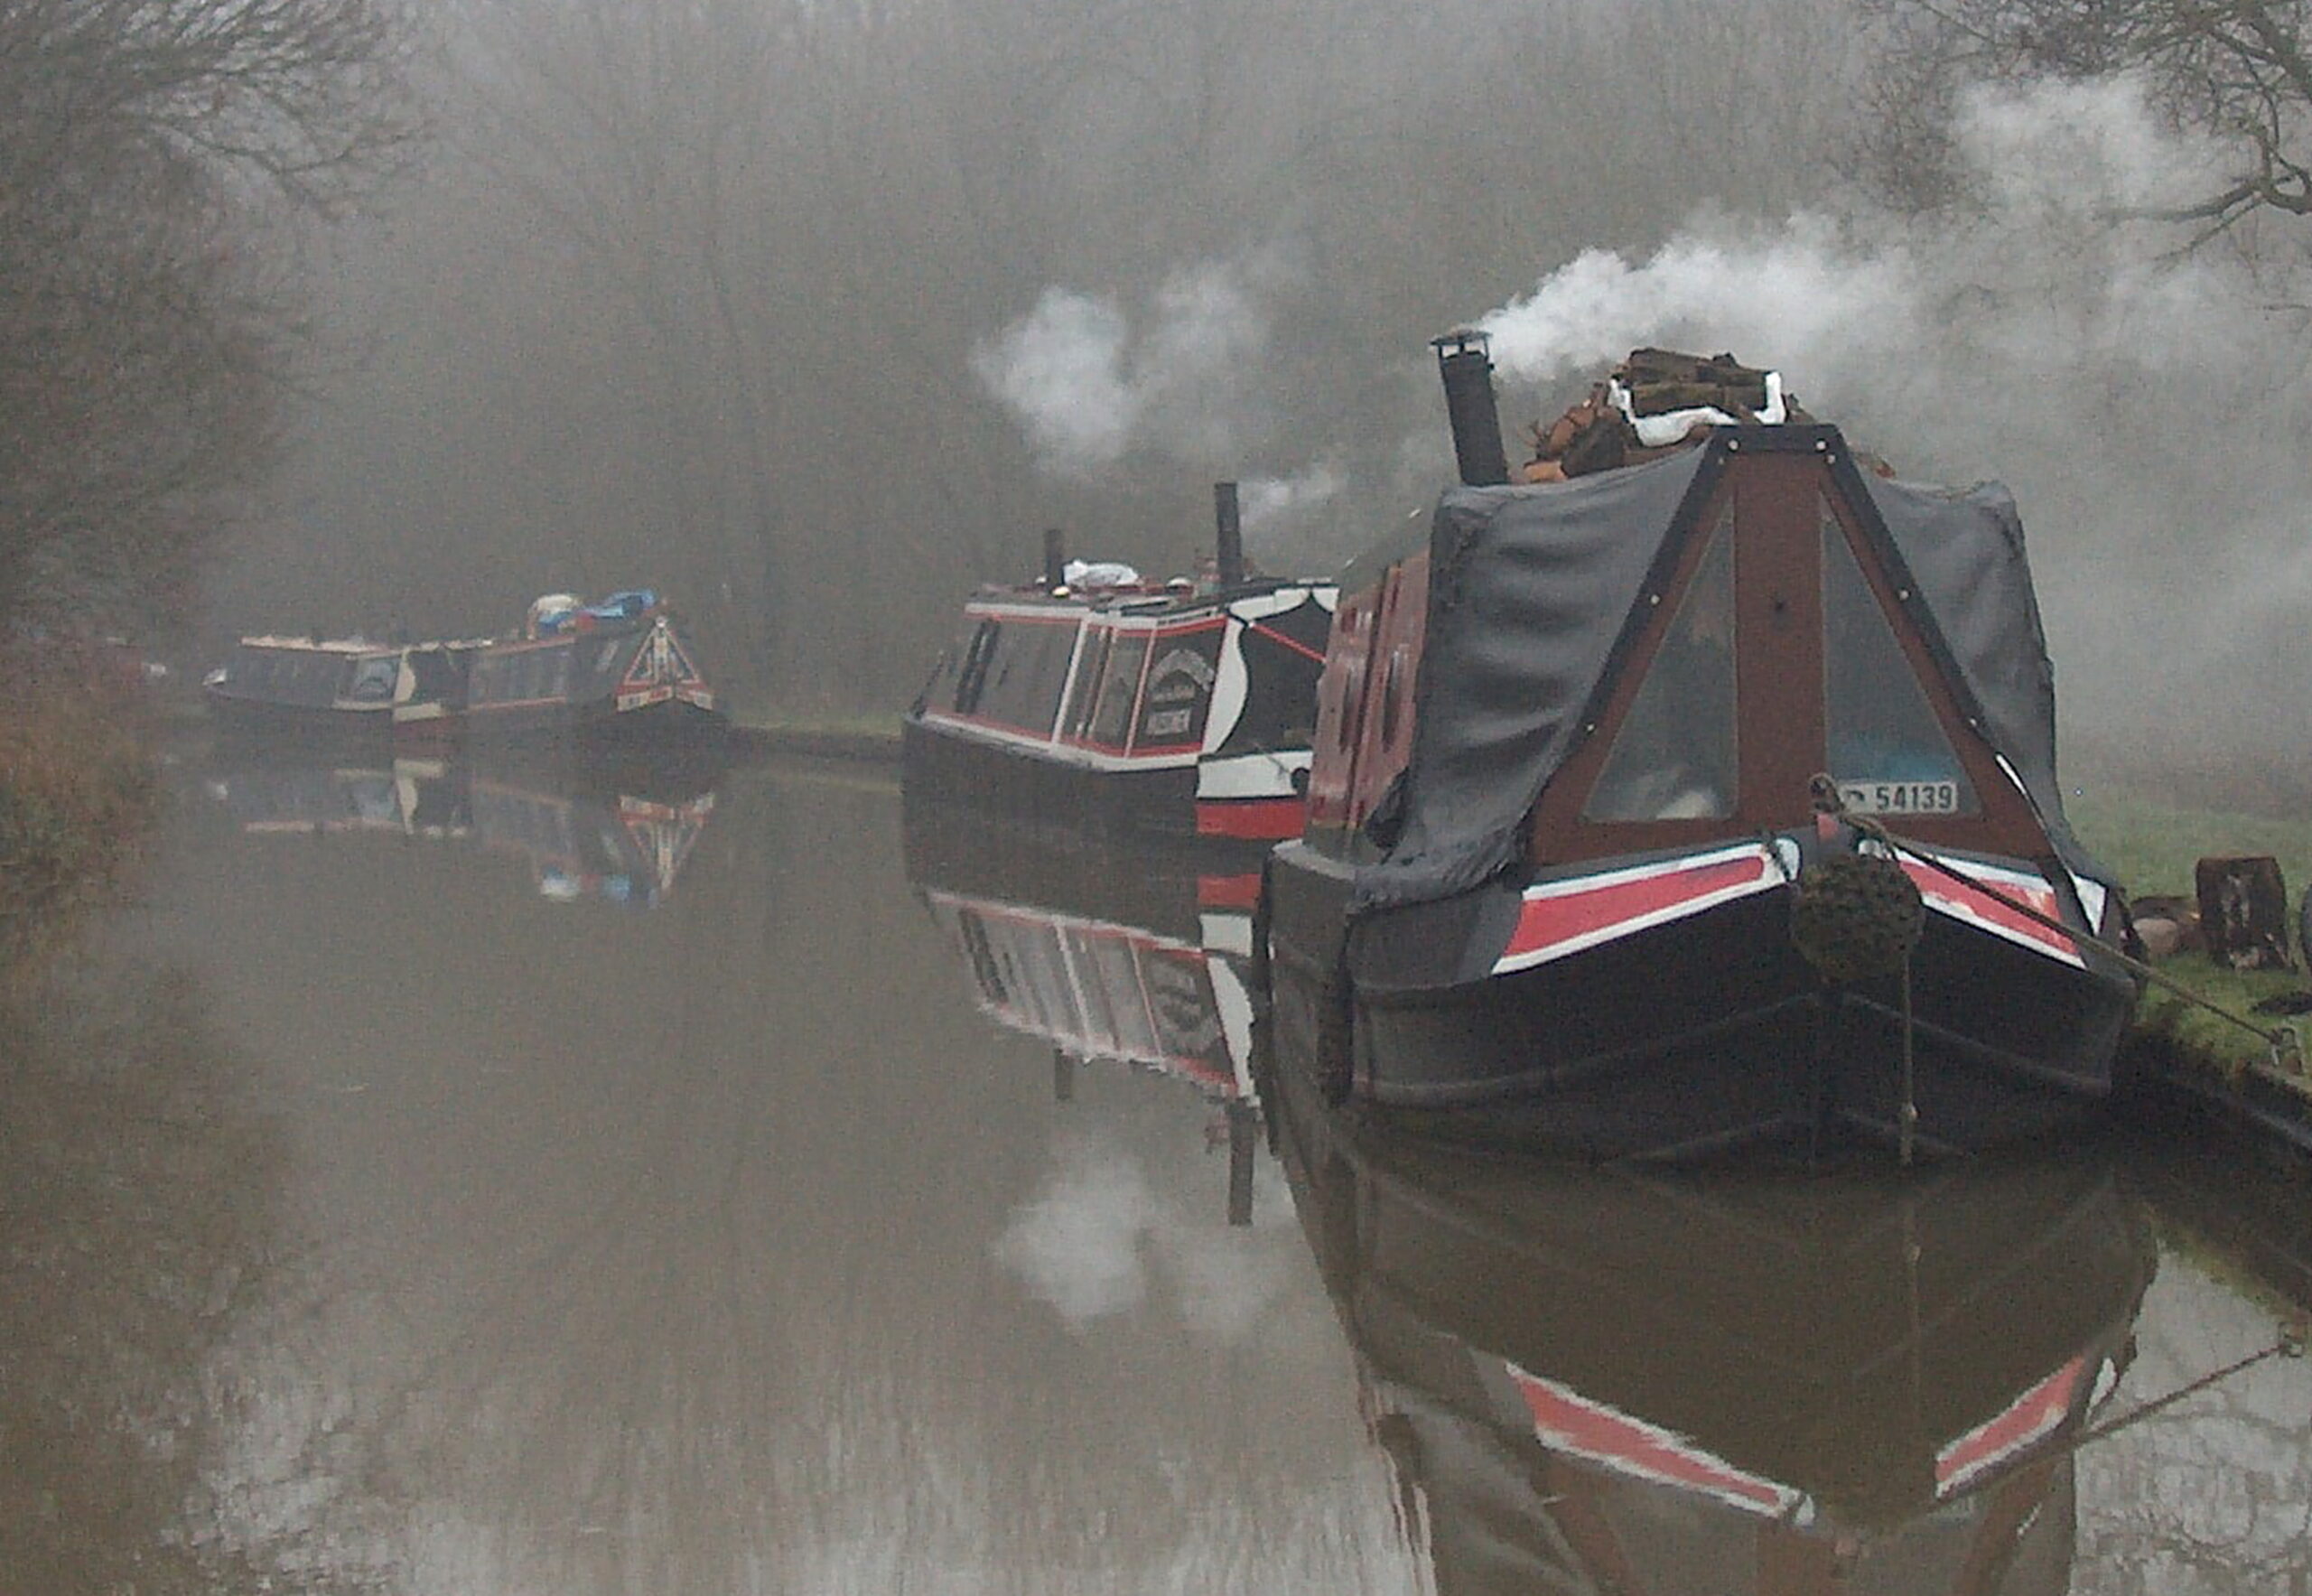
pixel 2144 405
pixel 1271 503
pixel 1059 369
pixel 1089 382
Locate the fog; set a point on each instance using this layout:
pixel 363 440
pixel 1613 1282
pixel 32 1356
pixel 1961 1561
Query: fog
pixel 814 319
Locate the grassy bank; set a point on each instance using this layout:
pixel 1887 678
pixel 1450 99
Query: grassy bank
pixel 2152 846
pixel 77 791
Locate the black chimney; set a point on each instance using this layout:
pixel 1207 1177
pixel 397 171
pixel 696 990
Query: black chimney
pixel 1228 535
pixel 1055 559
pixel 1470 406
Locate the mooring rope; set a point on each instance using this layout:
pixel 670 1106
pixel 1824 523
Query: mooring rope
pixel 2286 1047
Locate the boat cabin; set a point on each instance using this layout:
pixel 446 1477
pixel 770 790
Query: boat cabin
pixel 303 673
pixel 1666 655
pixel 1133 678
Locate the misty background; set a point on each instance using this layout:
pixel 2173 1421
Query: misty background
pixel 814 317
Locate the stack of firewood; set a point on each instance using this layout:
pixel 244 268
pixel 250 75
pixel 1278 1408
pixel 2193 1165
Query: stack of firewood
pixel 1683 397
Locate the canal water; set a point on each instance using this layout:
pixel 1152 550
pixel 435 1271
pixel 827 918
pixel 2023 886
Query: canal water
pixel 480 1186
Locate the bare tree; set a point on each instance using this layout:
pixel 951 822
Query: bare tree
pixel 2240 73
pixel 143 315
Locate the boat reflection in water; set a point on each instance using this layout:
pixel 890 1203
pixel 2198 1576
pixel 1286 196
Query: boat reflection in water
pixel 1608 1379
pixel 1134 958
pixel 606 834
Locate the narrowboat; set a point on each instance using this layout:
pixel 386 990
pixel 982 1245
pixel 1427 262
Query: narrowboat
pixel 623 669
pixel 1704 798
pixel 346 690
pixel 1124 708
pixel 1612 1379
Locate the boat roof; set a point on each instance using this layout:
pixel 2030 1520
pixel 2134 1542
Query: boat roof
pixel 1531 591
pixel 1178 596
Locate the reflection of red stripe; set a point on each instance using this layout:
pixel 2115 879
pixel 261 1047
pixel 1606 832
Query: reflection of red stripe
pixel 1228 892
pixel 1571 1422
pixel 1274 818
pixel 1549 921
pixel 1950 895
pixel 2026 1419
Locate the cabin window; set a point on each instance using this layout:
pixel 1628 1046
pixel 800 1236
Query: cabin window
pixel 1392 696
pixel 1119 688
pixel 971 676
pixel 1024 678
pixel 373 678
pixel 1888 749
pixel 1673 758
pixel 1084 691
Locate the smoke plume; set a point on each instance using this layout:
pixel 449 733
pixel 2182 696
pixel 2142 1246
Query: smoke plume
pixel 2141 398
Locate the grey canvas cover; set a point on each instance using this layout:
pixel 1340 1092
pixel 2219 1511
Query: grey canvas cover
pixel 1530 589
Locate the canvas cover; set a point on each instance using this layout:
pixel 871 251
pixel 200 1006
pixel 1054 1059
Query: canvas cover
pixel 1532 587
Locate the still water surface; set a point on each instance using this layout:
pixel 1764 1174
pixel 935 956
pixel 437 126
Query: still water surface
pixel 527 1195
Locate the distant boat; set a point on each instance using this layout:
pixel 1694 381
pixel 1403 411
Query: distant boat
pixel 621 669
pixel 1619 779
pixel 1119 706
pixel 343 688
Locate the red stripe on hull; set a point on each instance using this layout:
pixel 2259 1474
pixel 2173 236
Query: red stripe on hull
pixel 1559 918
pixel 1256 819
pixel 1229 892
pixel 1974 904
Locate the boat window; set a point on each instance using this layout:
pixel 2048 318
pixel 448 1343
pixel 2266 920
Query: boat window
pixel 1119 687
pixel 971 676
pixel 1084 691
pixel 1024 679
pixel 373 678
pixel 1392 696
pixel 1673 757
pixel 1886 748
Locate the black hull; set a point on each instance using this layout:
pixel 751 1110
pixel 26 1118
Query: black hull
pixel 595 724
pixel 1687 1039
pixel 1047 795
pixel 254 720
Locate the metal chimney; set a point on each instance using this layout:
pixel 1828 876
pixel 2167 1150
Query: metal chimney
pixel 1468 373
pixel 1055 559
pixel 1228 535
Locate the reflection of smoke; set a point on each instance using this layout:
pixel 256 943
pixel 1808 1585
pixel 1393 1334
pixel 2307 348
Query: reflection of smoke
pixel 1089 385
pixel 1091 1243
pixel 1079 1245
pixel 2143 404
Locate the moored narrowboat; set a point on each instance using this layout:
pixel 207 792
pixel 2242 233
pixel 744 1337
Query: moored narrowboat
pixel 339 690
pixel 1114 705
pixel 1705 797
pixel 585 675
pixel 621 669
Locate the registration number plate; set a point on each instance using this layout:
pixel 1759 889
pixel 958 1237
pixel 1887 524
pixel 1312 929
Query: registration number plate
pixel 1900 797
